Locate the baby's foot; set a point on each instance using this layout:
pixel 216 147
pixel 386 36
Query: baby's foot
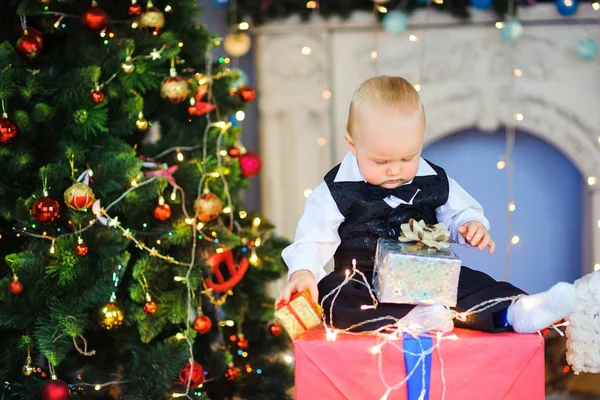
pixel 535 312
pixel 429 318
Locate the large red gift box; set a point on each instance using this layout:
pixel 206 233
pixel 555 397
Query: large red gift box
pixel 477 366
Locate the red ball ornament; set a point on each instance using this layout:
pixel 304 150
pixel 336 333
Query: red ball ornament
pixel 231 373
pixel 250 164
pixel 81 249
pixel 55 390
pixel 247 93
pixel 202 324
pixel 275 329
pixel 45 209
pixel 134 9
pixel 95 18
pixel 29 45
pixel 195 376
pixel 97 96
pixel 235 152
pixel 162 212
pixel 242 344
pixel 175 89
pixel 208 207
pixel 79 196
pixel 15 287
pixel 150 307
pixel 8 130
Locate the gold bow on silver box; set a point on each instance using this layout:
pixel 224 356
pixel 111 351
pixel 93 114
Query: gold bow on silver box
pixel 431 237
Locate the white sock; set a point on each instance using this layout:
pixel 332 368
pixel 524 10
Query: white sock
pixel 533 313
pixel 433 317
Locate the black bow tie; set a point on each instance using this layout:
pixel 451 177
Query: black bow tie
pixel 403 192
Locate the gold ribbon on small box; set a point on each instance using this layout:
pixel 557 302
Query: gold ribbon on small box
pixel 429 237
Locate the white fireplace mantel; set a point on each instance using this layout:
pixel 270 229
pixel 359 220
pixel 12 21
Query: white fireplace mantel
pixel 466 75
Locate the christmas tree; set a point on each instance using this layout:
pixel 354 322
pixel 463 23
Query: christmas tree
pixel 130 267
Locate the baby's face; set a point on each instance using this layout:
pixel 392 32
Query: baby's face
pixel 387 145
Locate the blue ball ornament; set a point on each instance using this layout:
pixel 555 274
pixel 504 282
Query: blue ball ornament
pixel 587 49
pixel 233 120
pixel 512 30
pixel 221 3
pixel 242 80
pixel 394 22
pixel 566 8
pixel 481 4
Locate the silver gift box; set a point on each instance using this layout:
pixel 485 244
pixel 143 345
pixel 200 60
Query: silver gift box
pixel 406 275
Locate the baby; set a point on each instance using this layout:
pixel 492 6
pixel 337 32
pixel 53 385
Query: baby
pixel 380 184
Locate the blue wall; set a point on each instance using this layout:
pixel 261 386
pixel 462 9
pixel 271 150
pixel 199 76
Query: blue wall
pixel 547 190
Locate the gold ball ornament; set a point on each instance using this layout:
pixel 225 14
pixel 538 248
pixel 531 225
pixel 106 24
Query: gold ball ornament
pixel 110 316
pixel 208 207
pixel 152 18
pixel 127 66
pixel 237 44
pixel 141 123
pixel 174 88
pixel 28 369
pixel 79 196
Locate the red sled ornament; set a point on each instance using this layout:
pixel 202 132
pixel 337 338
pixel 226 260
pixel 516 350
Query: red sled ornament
pixel 236 272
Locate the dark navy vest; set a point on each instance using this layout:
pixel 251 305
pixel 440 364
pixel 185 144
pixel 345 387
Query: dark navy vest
pixel 368 219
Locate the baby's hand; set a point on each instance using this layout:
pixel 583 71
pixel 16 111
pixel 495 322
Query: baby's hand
pixel 299 281
pixel 477 235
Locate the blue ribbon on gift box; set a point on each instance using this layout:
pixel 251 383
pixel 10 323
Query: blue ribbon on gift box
pixel 416 346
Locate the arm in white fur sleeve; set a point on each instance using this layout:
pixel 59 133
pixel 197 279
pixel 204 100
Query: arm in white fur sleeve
pixel 317 236
pixel 458 210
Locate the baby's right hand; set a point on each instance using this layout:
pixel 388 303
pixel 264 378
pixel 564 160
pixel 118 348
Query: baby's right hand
pixel 299 281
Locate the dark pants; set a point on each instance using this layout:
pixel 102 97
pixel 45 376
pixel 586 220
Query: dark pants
pixel 474 287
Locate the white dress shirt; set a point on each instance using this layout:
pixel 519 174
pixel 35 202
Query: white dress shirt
pixel 317 236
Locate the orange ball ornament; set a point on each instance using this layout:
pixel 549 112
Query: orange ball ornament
pixel 202 324
pixel 81 249
pixel 97 96
pixel 208 207
pixel 242 343
pixel 275 329
pixel 231 373
pixel 134 9
pixel 162 212
pixel 247 93
pixel 150 307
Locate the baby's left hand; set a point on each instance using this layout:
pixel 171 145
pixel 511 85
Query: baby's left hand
pixel 477 235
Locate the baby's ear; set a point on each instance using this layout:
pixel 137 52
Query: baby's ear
pixel 350 143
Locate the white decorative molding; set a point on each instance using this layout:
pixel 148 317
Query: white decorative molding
pixel 465 71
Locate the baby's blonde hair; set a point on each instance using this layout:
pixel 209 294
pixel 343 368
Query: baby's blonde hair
pixel 391 91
